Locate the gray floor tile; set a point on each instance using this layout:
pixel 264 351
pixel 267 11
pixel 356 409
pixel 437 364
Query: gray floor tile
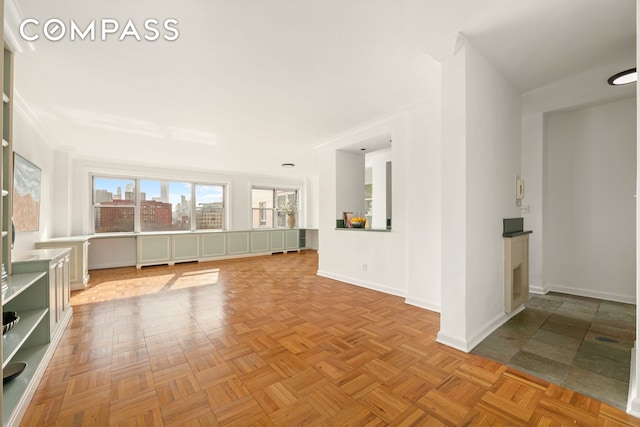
pixel 602 388
pixel 501 345
pixel 609 328
pixel 539 366
pixel 609 340
pixel 590 307
pixel 563 328
pixel 617 320
pixel 562 339
pixel 615 308
pixel 542 302
pixel 604 360
pixel 526 323
pixel 550 345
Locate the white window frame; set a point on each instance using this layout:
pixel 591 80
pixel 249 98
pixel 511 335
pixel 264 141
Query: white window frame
pixel 274 189
pixel 138 200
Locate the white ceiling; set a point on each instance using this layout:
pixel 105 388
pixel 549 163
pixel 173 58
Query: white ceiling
pixel 251 84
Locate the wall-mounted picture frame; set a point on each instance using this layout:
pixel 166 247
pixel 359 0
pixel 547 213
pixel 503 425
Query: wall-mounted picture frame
pixel 27 182
pixel 347 218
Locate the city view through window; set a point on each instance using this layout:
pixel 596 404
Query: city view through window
pixel 162 205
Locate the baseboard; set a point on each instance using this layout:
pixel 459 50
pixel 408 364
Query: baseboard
pixel 423 303
pixel 466 345
pixel 633 399
pixel 540 290
pixel 362 283
pixel 449 341
pixel 608 296
pixel 111 265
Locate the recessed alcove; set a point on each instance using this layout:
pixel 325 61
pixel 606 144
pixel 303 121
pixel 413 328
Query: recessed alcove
pixel 363 181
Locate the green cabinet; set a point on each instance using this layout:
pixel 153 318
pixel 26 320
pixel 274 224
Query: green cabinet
pixel 39 292
pixel 277 240
pixel 260 241
pixel 213 245
pixel 291 240
pixel 185 247
pixel 154 250
pixel 170 248
pixel 238 243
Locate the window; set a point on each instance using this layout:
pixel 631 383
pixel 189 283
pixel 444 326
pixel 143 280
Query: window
pixel 168 205
pixel 209 207
pixel 160 205
pixel 263 208
pixel 113 208
pixel 267 205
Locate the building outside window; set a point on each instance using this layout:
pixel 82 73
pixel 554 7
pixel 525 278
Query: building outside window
pixel 113 208
pixel 162 205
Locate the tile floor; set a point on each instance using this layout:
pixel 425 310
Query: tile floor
pixel 580 343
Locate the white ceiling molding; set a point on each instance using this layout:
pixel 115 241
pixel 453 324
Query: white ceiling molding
pixel 13 17
pixel 446 47
pixel 22 107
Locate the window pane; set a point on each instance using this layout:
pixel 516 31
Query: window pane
pixel 114 219
pixel 165 206
pixel 261 198
pixel 262 218
pixel 113 191
pixel 209 207
pixel 285 201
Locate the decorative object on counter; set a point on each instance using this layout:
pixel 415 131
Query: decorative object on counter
pixel 12 370
pixel 358 222
pixel 9 320
pixel 289 208
pixel 347 218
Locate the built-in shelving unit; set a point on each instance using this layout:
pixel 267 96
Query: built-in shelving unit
pixel 18 286
pixel 38 291
pixel 7 155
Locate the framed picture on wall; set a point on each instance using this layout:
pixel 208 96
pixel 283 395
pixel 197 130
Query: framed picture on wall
pixel 26 194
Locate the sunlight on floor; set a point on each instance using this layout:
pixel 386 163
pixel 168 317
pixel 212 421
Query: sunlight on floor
pixel 146 285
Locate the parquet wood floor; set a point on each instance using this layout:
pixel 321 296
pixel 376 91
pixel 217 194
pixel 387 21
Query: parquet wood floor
pixel 265 342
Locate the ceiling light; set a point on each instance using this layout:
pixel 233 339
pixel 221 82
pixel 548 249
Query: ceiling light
pixel 623 78
pixel 288 165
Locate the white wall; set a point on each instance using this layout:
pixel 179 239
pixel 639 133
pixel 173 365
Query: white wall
pixel 634 380
pixel 32 145
pixel 349 180
pixel 424 240
pixel 481 146
pixel 378 161
pixel 387 255
pixel 589 205
pixel 532 148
